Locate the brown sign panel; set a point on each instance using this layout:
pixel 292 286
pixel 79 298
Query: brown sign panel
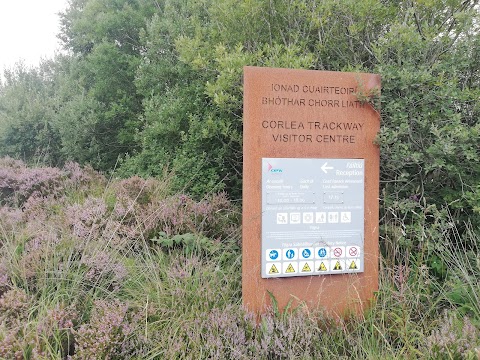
pixel 304 114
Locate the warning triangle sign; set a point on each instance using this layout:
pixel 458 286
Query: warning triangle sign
pixel 337 266
pixel 353 266
pixel 322 267
pixel 290 269
pixel 273 270
pixel 306 268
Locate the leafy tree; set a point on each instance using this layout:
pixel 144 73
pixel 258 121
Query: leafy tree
pixel 100 104
pixel 429 139
pixel 27 106
pixel 199 62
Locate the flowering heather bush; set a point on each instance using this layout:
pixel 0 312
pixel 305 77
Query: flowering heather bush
pixel 81 177
pixel 138 213
pixel 58 318
pixel 87 220
pixel 10 219
pixel 93 221
pixel 219 334
pixel 18 182
pixel 14 305
pixel 111 333
pixel 214 217
pixel 44 225
pixel 40 242
pixel 31 267
pixel 139 209
pixel 102 268
pixel 66 238
pixel 134 215
pixel 136 191
pixel 231 333
pixel 289 337
pixel 14 311
pixel 11 343
pixel 4 277
pixel 140 206
pixel 55 329
pixel 37 208
pixel 454 339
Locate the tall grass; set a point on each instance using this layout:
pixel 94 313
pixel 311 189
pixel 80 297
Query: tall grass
pixel 122 269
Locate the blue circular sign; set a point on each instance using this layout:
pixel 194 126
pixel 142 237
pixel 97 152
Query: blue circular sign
pixel 306 253
pixel 290 254
pixel 322 252
pixel 273 254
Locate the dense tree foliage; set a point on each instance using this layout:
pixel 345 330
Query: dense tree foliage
pixel 150 87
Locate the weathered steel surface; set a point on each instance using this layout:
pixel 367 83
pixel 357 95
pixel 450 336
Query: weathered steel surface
pixel 305 114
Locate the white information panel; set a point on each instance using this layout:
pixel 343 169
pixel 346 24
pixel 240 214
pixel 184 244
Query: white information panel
pixel 312 216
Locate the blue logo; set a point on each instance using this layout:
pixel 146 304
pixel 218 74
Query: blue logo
pixel 322 252
pixel 271 169
pixel 306 253
pixel 273 254
pixel 290 254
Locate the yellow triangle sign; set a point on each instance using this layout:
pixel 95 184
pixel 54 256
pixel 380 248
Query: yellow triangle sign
pixel 337 266
pixel 273 270
pixel 322 267
pixel 353 266
pixel 306 268
pixel 290 269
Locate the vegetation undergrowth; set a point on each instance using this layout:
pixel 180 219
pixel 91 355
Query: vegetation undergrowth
pixel 131 272
pixel 116 269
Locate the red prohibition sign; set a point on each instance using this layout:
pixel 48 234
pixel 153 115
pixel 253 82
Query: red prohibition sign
pixel 353 251
pixel 337 252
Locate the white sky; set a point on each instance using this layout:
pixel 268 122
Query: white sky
pixel 28 30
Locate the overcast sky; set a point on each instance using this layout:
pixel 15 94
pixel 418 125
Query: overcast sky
pixel 28 30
